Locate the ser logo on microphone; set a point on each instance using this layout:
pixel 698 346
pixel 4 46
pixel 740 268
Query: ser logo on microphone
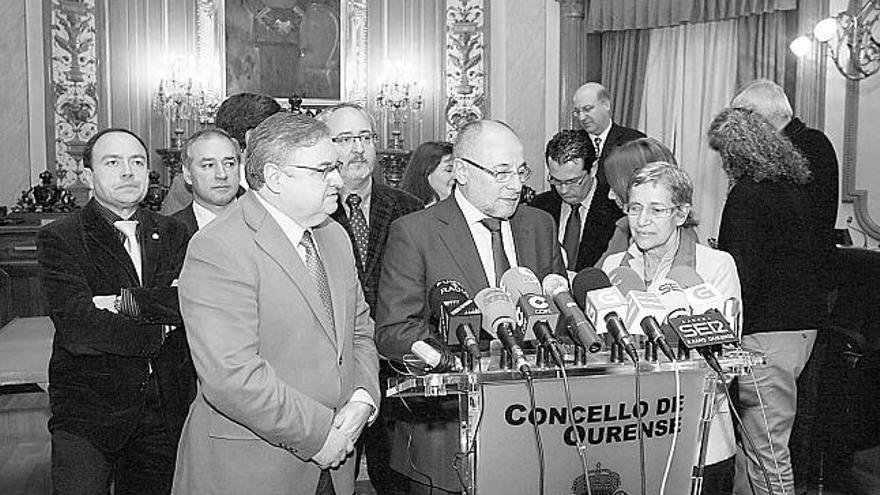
pixel 540 307
pixel 703 330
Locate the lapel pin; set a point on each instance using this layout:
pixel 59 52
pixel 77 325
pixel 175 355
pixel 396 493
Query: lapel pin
pixel 155 236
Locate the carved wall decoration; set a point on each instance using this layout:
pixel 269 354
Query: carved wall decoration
pixel 465 64
pixel 74 84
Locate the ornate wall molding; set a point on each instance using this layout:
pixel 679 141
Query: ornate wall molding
pixel 74 84
pixel 465 64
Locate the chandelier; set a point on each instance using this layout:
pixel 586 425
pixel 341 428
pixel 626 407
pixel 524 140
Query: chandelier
pixel 853 41
pixel 182 98
pixel 398 96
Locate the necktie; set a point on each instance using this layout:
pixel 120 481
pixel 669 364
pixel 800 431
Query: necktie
pixel 317 272
pixel 572 238
pixel 129 229
pixel 597 144
pixel 358 225
pixel 499 257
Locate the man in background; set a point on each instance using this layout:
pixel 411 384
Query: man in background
pixel 366 210
pixel 237 115
pixel 473 237
pixel 211 170
pixel 281 336
pixel 821 199
pixel 120 388
pixel 592 109
pixel 584 218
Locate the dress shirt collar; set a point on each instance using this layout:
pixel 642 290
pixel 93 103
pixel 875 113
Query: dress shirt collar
pixel 603 137
pixel 291 229
pixel 471 214
pixel 202 214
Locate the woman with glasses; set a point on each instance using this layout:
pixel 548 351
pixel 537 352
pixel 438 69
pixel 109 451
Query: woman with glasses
pixel 658 208
pixel 429 173
pixel 619 168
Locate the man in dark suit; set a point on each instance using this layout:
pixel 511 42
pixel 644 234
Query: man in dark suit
pixel 584 216
pixel 366 210
pixel 119 388
pixel 592 108
pixel 211 170
pixel 472 237
pixel 237 115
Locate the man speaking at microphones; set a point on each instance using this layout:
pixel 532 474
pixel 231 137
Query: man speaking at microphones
pixel 473 237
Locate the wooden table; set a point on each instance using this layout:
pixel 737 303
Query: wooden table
pixel 25 348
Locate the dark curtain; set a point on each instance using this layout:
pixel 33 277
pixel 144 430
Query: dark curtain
pixel 624 64
pixel 763 50
pixel 619 15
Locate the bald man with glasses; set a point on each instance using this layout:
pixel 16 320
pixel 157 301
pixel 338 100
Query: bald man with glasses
pixel 577 201
pixel 472 236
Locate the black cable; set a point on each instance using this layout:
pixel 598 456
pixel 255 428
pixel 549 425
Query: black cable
pixel 409 450
pixel 747 436
pixel 641 437
pixel 579 445
pixel 530 385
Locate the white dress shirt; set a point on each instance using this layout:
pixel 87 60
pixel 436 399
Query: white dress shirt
pixel 603 137
pixel 202 214
pixel 483 238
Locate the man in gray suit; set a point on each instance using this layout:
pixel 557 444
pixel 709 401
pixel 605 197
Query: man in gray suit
pixel 280 334
pixel 473 237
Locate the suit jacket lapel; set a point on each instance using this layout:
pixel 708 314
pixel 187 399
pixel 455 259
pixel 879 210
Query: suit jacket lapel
pixel 380 212
pixel 151 242
pixel 523 241
pixel 104 240
pixel 271 239
pixel 336 278
pixel 456 236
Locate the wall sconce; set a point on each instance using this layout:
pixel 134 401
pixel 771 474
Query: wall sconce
pixel 183 98
pixel 398 97
pixel 851 39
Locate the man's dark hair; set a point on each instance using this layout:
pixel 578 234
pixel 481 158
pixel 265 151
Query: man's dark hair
pixel 240 113
pixel 570 144
pixel 90 144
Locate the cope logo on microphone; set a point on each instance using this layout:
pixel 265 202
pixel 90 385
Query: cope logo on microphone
pixel 539 306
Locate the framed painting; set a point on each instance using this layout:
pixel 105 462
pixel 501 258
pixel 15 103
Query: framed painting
pixel 313 49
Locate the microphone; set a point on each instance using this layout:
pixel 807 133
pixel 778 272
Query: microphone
pixel 672 296
pixel 582 331
pixel 532 308
pixel 644 311
pixel 703 331
pixel 498 313
pixel 438 360
pixel 445 295
pixel 534 313
pixel 605 302
pixel 701 295
pixel 626 279
pixel 463 319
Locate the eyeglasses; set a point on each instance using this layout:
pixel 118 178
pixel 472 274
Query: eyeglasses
pixel 325 171
pixel 582 110
pixel 348 139
pixel 568 183
pixel 504 176
pixel 635 210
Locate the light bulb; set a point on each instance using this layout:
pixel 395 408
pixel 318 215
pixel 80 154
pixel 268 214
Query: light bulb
pixel 800 46
pixel 825 29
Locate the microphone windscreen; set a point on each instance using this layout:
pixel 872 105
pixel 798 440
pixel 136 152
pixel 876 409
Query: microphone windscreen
pixel 496 306
pixel 446 293
pixel 590 278
pixel 553 284
pixel 626 279
pixel 519 280
pixel 685 276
